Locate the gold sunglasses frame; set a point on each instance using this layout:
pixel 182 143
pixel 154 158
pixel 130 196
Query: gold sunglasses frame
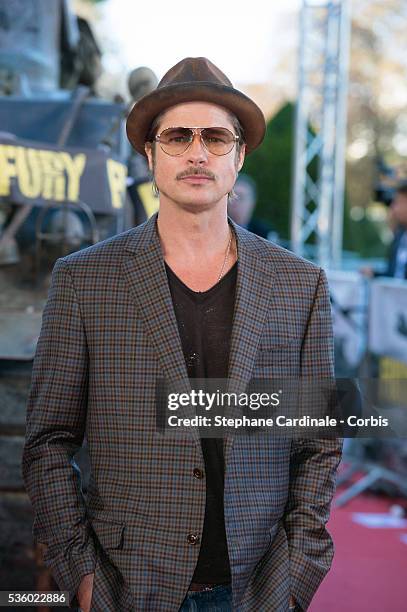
pixel 196 130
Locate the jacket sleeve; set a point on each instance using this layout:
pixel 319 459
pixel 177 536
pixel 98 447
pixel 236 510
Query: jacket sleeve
pixel 313 465
pixel 56 416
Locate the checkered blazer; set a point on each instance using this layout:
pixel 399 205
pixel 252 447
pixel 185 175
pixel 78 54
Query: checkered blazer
pixel 108 332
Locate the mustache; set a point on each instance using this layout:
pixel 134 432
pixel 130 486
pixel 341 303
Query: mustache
pixel 195 171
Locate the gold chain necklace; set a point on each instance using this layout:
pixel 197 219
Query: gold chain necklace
pixel 226 256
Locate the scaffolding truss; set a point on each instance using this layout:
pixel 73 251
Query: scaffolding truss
pixel 320 131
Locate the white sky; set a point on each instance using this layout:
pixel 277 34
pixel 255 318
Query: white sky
pixel 242 37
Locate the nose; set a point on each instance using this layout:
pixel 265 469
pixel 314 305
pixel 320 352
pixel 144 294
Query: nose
pixel 196 151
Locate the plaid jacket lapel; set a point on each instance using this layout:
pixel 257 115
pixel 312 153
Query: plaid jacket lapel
pixel 145 274
pixel 253 291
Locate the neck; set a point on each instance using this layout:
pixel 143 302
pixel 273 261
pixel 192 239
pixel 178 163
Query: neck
pixel 190 235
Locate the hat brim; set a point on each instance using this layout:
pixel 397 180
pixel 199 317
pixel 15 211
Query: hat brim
pixel 147 108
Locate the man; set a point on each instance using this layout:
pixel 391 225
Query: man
pixel 241 208
pixel 179 522
pixel 397 265
pixel 397 262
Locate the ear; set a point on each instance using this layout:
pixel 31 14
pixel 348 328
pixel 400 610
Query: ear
pixel 149 153
pixel 242 154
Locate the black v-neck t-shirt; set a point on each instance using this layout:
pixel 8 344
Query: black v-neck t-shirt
pixel 205 325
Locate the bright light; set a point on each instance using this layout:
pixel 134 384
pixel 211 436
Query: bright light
pixel 400 144
pixel 243 41
pixel 316 2
pixel 358 149
pixel 357 213
pixel 377 213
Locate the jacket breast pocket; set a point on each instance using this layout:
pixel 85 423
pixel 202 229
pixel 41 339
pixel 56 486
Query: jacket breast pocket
pixel 281 341
pixel 277 357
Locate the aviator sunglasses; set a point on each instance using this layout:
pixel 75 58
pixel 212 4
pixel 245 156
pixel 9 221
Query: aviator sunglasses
pixel 176 140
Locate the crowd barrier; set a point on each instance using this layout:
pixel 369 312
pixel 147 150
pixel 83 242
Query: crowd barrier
pixel 370 330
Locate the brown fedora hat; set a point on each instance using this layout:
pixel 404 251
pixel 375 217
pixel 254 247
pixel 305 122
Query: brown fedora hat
pixel 195 79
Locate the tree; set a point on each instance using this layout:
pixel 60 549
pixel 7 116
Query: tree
pixel 271 167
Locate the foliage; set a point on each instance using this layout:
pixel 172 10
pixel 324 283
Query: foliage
pixel 270 167
pixel 362 236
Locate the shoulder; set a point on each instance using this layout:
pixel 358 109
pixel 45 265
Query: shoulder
pixel 108 252
pixel 283 260
pixel 106 248
pixel 98 265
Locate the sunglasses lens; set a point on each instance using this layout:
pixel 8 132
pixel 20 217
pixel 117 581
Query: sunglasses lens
pixel 218 141
pixel 175 141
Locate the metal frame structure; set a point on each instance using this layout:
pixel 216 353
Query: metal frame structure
pixel 320 130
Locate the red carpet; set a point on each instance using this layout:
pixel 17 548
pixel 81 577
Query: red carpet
pixel 369 571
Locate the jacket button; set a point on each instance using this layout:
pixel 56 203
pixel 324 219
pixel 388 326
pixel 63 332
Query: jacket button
pixel 193 538
pixel 198 473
